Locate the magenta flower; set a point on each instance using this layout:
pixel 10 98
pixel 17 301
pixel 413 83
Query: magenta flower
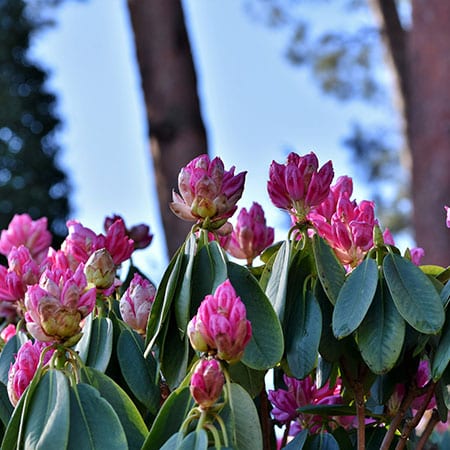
pixel 56 306
pixel 24 368
pixel 350 231
pixel 207 191
pixel 22 271
pixel 22 230
pixel 140 234
pixel 304 393
pixel 81 242
pixel 447 217
pixel 207 383
pixel 136 303
pixel 117 242
pixel 221 326
pixel 250 235
pixel 8 332
pixel 298 185
pixel 423 376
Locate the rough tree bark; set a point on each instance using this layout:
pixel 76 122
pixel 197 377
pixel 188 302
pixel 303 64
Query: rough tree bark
pixel 176 129
pixel 420 57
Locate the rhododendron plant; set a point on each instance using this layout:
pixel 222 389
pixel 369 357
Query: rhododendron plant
pixel 334 339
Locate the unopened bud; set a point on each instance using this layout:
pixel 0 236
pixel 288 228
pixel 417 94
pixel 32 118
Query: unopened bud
pixel 100 269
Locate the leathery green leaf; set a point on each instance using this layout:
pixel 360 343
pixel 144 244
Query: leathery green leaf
pixel 414 295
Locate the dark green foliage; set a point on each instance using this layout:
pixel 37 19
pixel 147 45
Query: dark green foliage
pixel 30 179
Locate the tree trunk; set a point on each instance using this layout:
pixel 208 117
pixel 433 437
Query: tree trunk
pixel 429 125
pixel 421 61
pixel 176 130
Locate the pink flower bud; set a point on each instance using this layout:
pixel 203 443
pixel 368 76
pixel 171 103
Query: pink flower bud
pixel 221 326
pixel 136 303
pixel 350 229
pixel 56 306
pixel 100 269
pixel 207 383
pixel 79 244
pixel 8 332
pixel 22 230
pixel 297 186
pixel 250 235
pixel 117 242
pixel 207 191
pixel 23 369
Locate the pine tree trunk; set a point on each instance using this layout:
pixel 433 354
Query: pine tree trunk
pixel 429 125
pixel 421 62
pixel 176 130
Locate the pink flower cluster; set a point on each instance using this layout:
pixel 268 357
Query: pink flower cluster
pixel 49 288
pixel 251 235
pixel 207 383
pixel 345 224
pixel 207 191
pixel 221 330
pixel 22 371
pixel 220 326
pixel 299 185
pixel 81 242
pixel 305 393
pixel 136 303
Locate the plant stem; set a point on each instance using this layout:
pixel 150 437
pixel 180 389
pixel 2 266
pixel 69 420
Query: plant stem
pixel 396 421
pixel 266 424
pixel 434 419
pixel 411 424
pixel 360 414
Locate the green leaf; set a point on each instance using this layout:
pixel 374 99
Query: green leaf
pixel 330 270
pixel 210 270
pixel 328 410
pixel 169 419
pixel 445 295
pixel 7 357
pixel 380 336
pixel 95 346
pixel 414 295
pixel 6 408
pixel 330 348
pixel 138 372
pixel 47 419
pixel 198 440
pixel 354 298
pixel 182 300
pixel 298 442
pixel 242 421
pixel 266 346
pixel 442 355
pixel 13 436
pixel 163 298
pixel 250 379
pixel 324 441
pixel 129 416
pixel 303 335
pixel 94 425
pixel 277 285
pixel 175 356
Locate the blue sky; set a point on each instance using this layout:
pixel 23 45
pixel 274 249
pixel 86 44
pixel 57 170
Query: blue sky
pixel 255 105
